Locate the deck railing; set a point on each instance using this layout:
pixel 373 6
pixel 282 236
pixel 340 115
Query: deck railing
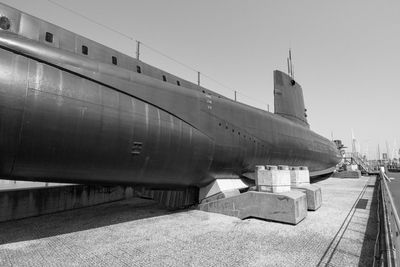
pixel 357 158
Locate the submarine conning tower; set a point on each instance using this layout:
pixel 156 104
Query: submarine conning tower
pixel 288 98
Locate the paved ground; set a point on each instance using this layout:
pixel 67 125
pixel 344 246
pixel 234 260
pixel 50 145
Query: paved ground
pixel 141 233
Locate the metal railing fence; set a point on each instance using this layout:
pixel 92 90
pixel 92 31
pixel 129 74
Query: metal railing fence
pixel 390 249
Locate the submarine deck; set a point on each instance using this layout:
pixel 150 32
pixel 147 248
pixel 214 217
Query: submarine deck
pixel 138 232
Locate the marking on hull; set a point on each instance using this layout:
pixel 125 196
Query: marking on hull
pixel 209 101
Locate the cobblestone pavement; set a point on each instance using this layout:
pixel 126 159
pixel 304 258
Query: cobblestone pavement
pixel 140 232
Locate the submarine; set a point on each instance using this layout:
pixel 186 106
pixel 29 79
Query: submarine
pixel 73 110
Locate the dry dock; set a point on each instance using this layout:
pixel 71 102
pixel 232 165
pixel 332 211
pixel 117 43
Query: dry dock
pixel 139 232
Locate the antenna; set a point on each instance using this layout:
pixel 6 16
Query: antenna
pixel 290 64
pixel 290 61
pixel 292 71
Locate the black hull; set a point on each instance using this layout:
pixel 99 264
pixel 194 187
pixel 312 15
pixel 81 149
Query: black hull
pixel 68 118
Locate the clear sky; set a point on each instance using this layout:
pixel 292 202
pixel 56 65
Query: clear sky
pixel 346 53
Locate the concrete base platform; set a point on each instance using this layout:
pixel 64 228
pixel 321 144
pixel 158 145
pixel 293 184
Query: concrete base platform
pixel 289 207
pixel 17 203
pixel 347 174
pixel 140 232
pixel 314 195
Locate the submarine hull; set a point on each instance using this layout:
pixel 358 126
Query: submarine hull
pixel 62 128
pixel 68 117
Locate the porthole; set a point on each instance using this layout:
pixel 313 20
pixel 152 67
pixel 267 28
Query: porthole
pixel 138 69
pixel 49 37
pixel 233 130
pixel 5 23
pixel 178 83
pixel 219 124
pixel 85 50
pixel 164 78
pixel 114 60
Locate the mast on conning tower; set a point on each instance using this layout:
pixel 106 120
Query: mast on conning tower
pixel 290 64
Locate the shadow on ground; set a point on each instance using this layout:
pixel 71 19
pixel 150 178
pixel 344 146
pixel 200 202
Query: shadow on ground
pixel 348 244
pixel 320 178
pixel 367 251
pixel 80 220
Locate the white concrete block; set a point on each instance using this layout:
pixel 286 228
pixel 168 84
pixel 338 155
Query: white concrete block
pixel 352 167
pixel 299 176
pixel 220 185
pixel 273 179
pixel 280 189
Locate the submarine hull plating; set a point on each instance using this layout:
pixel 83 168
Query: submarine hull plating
pixel 62 128
pixel 65 117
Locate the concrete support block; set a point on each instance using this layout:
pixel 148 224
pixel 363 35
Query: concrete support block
pixel 221 188
pixel 299 176
pixel 313 194
pixel 289 207
pixel 220 195
pixel 273 179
